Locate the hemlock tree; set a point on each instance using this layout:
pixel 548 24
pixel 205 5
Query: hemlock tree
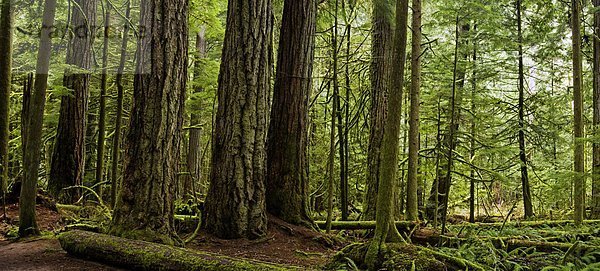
pixel 596 118
pixel 385 228
pixel 35 119
pixel 235 205
pixel 6 31
pixel 381 70
pixel 144 208
pixel 579 151
pixel 412 208
pixel 67 168
pixel 287 179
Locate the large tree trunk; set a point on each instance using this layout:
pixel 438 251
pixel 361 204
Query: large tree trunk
pixel 235 204
pixel 6 27
pixel 116 144
pixel 67 167
pixel 193 159
pixel 596 121
pixel 579 151
pixel 412 211
pixel 381 70
pixel 144 208
pixel 102 110
pixel 385 228
pixel 31 161
pixel 287 175
pixel 527 205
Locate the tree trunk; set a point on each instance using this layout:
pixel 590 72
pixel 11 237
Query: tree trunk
pixel 67 167
pixel 287 183
pixel 144 208
pixel 579 151
pixel 527 205
pixel 239 156
pixel 596 120
pixel 116 144
pixel 381 70
pixel 6 31
pixel 31 161
pixel 473 131
pixel 193 162
pixel 412 211
pixel 102 111
pixel 385 228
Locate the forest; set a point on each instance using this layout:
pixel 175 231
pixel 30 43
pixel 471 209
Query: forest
pixel 300 135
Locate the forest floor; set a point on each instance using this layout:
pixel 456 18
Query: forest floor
pixel 285 244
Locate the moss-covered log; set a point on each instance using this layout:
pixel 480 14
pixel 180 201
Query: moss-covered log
pixel 141 255
pixel 402 226
pixel 529 224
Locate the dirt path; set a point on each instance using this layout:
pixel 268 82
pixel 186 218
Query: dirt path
pixel 42 254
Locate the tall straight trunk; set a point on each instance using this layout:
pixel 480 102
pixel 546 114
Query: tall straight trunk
pixel 144 208
pixel 412 205
pixel 527 205
pixel 348 89
pixel 330 170
pixel 385 228
pixel 102 111
pixel 6 34
pixel 579 151
pixel 287 183
pixel 239 156
pixel 194 147
pixel 31 161
pixel 67 167
pixel 473 131
pixel 443 180
pixel 596 119
pixel 116 143
pixel 381 71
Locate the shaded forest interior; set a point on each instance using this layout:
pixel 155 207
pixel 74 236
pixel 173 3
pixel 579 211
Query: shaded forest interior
pixel 299 135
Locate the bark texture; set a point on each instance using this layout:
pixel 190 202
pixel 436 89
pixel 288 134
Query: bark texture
pixel 596 119
pixel 144 208
pixel 67 167
pixel 287 168
pixel 579 150
pixel 6 30
pixel 235 204
pixel 381 71
pixel 102 110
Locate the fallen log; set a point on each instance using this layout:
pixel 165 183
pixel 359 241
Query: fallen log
pixel 141 255
pixel 529 224
pixel 364 225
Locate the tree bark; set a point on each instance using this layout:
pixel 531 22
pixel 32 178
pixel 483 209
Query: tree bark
pixel 116 144
pixel 31 161
pixel 412 211
pixel 527 205
pixel 6 37
pixel 144 208
pixel 235 204
pixel 67 166
pixel 385 228
pixel 579 150
pixel 102 110
pixel 596 118
pixel 381 71
pixel 287 183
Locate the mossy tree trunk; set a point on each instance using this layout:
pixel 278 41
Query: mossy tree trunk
pixel 381 71
pixel 67 166
pixel 596 119
pixel 579 150
pixel 6 36
pixel 412 210
pixel 35 119
pixel 116 143
pixel 144 208
pixel 235 204
pixel 287 183
pixel 385 228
